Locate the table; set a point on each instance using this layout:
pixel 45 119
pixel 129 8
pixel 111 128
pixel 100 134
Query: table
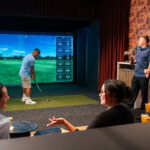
pixel 125 73
pixel 22 129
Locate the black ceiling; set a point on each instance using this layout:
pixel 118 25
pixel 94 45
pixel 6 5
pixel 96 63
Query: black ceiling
pixel 29 23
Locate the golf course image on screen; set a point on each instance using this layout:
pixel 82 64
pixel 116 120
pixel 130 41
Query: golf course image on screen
pixel 54 64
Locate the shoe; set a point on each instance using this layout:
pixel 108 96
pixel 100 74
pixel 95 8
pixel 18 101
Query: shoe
pixel 24 99
pixel 30 102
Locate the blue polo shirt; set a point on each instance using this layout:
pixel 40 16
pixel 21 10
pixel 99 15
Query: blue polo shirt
pixel 27 63
pixel 142 61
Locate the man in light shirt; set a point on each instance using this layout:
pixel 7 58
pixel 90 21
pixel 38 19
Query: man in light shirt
pixel 27 70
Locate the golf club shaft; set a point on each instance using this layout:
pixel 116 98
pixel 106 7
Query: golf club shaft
pixel 38 86
pixel 41 90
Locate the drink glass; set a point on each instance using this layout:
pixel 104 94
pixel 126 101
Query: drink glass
pixel 147 107
pixel 145 118
pixel 11 121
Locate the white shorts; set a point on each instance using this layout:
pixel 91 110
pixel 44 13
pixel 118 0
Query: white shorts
pixel 26 83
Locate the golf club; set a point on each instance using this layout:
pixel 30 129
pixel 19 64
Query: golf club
pixel 41 90
pixel 38 86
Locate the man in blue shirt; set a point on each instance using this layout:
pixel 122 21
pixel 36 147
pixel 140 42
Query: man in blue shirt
pixel 26 70
pixel 141 78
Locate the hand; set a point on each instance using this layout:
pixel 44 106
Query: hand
pixel 33 77
pixel 55 121
pixel 146 71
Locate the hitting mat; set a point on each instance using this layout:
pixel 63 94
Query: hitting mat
pixel 50 101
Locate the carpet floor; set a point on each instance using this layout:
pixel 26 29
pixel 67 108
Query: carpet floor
pixel 77 115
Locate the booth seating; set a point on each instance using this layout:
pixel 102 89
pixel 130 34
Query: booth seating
pixel 125 137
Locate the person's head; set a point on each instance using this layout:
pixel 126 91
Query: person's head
pixel 3 96
pixel 36 52
pixel 143 41
pixel 114 92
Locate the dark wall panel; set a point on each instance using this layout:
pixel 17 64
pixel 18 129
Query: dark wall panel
pixel 51 8
pixel 81 56
pixel 92 60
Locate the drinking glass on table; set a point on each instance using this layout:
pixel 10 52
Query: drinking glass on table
pixel 147 107
pixel 145 118
pixel 11 121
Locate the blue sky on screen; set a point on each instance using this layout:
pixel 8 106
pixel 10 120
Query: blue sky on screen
pixel 21 45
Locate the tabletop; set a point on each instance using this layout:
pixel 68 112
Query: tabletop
pixel 22 128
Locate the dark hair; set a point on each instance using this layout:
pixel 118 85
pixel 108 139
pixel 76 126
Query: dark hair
pixel 119 90
pixel 146 38
pixel 1 92
pixel 36 49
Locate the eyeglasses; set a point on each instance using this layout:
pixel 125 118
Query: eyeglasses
pixel 101 92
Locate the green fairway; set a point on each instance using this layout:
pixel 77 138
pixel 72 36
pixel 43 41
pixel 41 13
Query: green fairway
pixel 45 71
pixel 56 101
pixel 10 71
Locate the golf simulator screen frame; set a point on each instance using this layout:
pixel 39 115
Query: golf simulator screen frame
pixel 53 65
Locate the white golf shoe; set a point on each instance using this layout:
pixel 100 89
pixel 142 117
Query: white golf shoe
pixel 24 99
pixel 30 102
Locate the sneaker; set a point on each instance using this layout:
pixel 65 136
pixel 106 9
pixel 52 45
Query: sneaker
pixel 24 99
pixel 30 102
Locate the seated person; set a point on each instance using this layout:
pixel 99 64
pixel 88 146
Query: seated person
pixel 4 122
pixel 112 95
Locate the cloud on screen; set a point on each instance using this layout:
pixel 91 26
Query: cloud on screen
pixel 4 49
pixel 18 52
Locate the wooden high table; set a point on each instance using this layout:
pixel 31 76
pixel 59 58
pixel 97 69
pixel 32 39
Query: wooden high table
pixel 125 72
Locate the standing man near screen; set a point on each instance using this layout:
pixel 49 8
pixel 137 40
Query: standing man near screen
pixel 141 76
pixel 26 70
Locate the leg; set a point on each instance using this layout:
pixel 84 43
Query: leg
pixel 28 91
pixel 135 87
pixel 24 91
pixel 144 91
pixel 26 84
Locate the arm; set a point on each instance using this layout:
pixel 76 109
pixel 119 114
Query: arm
pixel 134 60
pixel 32 73
pixel 4 128
pixel 104 119
pixel 149 67
pixel 147 71
pixel 54 121
pixel 99 121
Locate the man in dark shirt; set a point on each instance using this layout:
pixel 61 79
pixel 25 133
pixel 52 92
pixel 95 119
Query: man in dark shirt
pixel 140 79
